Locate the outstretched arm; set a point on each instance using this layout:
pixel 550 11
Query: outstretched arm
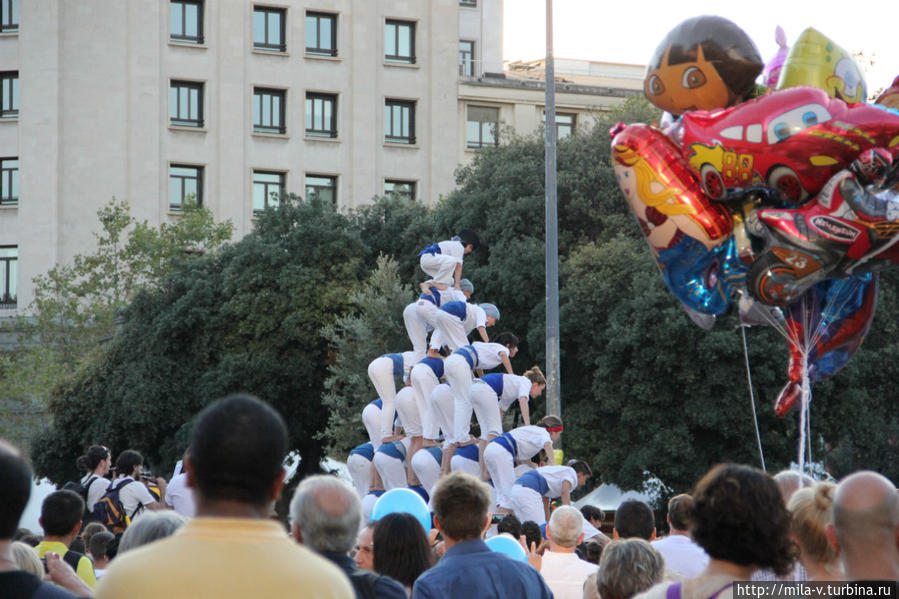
pixel 525 410
pixel 507 364
pixel 566 493
pixel 482 331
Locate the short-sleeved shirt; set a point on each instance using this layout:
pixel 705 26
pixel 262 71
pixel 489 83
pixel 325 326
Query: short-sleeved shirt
pixel 555 476
pixel 134 495
pixel 508 387
pixel 489 354
pixel 530 440
pixel 180 497
pixel 452 248
pixel 85 569
pixel 96 489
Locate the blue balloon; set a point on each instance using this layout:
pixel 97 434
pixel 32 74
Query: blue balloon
pixel 506 544
pixel 402 501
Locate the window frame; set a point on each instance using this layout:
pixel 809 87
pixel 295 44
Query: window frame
pixel 266 195
pixel 265 46
pixel 333 187
pixel 197 86
pixel 259 127
pixel 480 143
pixel 320 133
pixel 318 50
pixel 9 103
pixel 468 3
pixel 412 194
pixel 6 16
pixel 183 37
pixel 390 103
pixel 399 58
pixel 470 62
pixel 4 184
pixel 199 174
pixel 7 300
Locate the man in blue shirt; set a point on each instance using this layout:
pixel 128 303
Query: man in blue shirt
pixel 469 568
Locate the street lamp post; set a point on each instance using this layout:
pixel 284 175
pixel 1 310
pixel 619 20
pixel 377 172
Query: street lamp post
pixel 553 376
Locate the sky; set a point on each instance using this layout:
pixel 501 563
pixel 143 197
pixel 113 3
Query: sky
pixel 628 31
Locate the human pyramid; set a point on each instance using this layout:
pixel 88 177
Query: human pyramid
pixel 425 430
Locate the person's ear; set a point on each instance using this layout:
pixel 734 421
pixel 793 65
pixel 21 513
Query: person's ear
pixel 653 537
pixel 487 520
pixel 188 467
pixel 278 485
pixel 77 528
pixel 615 534
pixel 831 534
pixel 437 523
pixel 296 533
pixel 580 539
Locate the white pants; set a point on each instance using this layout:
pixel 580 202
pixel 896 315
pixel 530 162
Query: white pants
pixel 360 472
pixel 458 374
pixel 526 503
pixel 380 371
pixel 486 408
pixel 501 466
pixel 371 418
pixel 368 502
pixel 417 327
pixel 440 267
pixel 442 408
pixel 426 468
pixel 392 471
pixel 423 382
pixel 452 331
pixel 465 465
pixel 408 411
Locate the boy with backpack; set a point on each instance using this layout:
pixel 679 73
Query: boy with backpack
pixel 60 518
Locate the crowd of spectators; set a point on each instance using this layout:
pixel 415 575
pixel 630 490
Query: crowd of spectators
pixel 222 539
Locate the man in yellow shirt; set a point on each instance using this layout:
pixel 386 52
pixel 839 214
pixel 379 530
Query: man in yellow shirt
pixel 61 515
pixel 231 548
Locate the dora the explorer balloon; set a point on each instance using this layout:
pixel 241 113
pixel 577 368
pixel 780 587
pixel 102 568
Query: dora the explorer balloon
pixel 704 63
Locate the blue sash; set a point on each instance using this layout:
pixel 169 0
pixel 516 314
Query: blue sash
pixel 457 309
pixel 366 450
pixel 379 403
pixel 397 363
pixel 432 249
pixel 435 364
pixel 495 381
pixel 470 354
pixel 507 442
pixel 469 452
pixel 533 480
pixel 433 297
pixel 394 449
pixel 436 452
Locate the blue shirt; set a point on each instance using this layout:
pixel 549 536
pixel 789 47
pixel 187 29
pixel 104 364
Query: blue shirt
pixel 471 570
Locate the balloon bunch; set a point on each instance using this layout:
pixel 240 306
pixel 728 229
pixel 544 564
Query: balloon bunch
pixel 787 201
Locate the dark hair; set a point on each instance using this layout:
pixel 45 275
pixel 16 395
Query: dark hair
pixel 591 512
pixel 679 509
pixel 634 518
pixel 15 488
pixel 506 338
pixel 460 502
pixel 401 549
pixel 531 532
pixel 580 466
pixel 237 449
pixel 127 460
pixel 60 512
pixel 89 462
pixel 510 524
pixel 99 544
pixel 469 237
pixel 739 517
pixel 591 552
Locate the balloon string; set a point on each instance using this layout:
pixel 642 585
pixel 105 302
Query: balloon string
pixel 803 413
pixel 755 417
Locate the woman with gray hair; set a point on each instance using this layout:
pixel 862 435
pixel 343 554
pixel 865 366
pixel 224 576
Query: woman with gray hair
pixel 628 567
pixel 150 527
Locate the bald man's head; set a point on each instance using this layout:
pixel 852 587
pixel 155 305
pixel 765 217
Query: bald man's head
pixel 865 511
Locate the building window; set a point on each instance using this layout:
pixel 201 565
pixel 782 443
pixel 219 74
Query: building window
pixel 321 186
pixel 481 126
pixel 185 183
pixel 321 115
pixel 399 41
pixel 9 107
pixel 268 187
pixel 321 34
pixel 9 16
pixel 565 124
pixel 268 110
pixel 9 181
pixel 400 189
pixel 9 274
pixel 399 121
pixel 186 103
pixel 186 21
pixel 466 58
pixel 268 28
pixel 468 2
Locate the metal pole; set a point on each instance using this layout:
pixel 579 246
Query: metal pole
pixel 553 375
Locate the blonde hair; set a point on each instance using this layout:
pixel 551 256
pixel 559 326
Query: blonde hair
pixel 535 376
pixel 26 558
pixel 645 175
pixel 811 510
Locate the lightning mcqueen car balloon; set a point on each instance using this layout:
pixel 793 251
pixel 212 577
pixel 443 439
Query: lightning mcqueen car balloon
pixel 791 141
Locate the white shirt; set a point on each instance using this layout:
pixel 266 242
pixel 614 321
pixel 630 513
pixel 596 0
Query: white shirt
pixel 682 555
pixel 180 497
pixel 475 317
pixel 514 386
pixel 96 490
pixel 555 476
pixel 490 355
pixel 565 574
pixel 530 440
pixel 134 495
pixel 451 248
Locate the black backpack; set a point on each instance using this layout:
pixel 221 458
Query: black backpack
pixel 109 510
pixel 81 489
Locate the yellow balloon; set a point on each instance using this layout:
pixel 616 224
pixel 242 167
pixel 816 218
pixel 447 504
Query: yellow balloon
pixel 818 61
